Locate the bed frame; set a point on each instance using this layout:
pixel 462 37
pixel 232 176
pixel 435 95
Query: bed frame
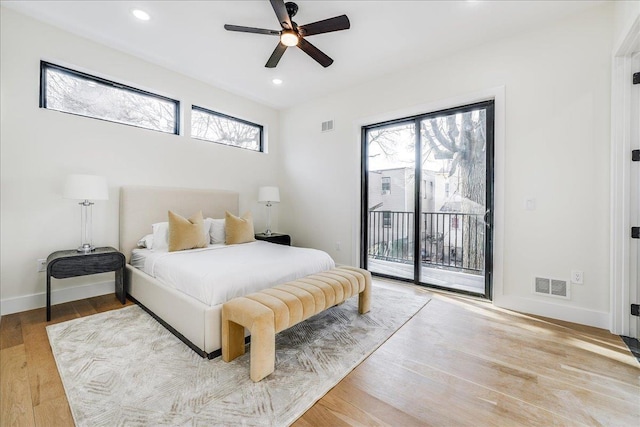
pixel 195 323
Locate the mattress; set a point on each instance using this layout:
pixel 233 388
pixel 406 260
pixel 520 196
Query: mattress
pixel 218 273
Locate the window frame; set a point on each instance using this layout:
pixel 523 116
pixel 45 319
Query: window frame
pixel 228 117
pixel 385 181
pixel 387 221
pixel 44 65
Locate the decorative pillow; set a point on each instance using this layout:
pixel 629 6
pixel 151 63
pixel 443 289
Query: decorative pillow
pixel 238 230
pixel 186 233
pixel 146 242
pixel 216 231
pixel 160 238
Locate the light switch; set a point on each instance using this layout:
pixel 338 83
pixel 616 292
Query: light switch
pixel 530 204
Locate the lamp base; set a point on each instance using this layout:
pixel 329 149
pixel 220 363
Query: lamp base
pixel 267 232
pixel 86 248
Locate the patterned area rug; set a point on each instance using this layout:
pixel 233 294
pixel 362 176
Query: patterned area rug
pixel 123 368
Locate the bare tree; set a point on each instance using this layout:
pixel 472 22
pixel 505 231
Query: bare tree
pixel 86 97
pixel 220 129
pixel 462 138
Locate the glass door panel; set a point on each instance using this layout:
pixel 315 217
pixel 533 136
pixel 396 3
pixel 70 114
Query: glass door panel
pixel 453 200
pixel 427 196
pixel 391 199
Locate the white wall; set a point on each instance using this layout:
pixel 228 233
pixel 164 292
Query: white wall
pixel 625 14
pixel 556 149
pixel 40 147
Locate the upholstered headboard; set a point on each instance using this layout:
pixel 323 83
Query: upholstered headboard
pixel 142 206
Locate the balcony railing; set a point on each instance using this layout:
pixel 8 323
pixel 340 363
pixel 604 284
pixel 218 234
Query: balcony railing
pixel 448 240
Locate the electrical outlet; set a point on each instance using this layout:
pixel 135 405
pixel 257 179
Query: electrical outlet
pixel 576 277
pixel 41 264
pixel 338 244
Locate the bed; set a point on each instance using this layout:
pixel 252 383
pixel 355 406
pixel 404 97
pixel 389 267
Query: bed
pixel 196 319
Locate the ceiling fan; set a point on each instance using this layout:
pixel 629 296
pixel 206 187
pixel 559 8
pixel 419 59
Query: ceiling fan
pixel 294 35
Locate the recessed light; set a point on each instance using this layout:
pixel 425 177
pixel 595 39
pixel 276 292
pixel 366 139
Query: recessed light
pixel 276 81
pixel 141 14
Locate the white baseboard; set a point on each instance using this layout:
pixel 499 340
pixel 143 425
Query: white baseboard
pixel 598 319
pixel 29 302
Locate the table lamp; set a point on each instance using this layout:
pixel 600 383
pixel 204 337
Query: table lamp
pixel 86 188
pixel 268 195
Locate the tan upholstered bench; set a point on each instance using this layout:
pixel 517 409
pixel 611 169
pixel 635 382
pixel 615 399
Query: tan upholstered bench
pixel 273 310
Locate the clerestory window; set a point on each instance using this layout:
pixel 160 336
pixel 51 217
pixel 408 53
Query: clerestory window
pixel 70 91
pixel 216 127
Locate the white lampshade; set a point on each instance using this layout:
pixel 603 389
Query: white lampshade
pixel 269 194
pixel 86 187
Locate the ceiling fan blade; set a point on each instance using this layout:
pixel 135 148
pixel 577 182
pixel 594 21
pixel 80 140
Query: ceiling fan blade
pixel 276 55
pixel 251 30
pixel 281 12
pixel 315 53
pixel 326 26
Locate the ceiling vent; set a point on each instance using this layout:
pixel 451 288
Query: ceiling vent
pixel 551 287
pixel 327 126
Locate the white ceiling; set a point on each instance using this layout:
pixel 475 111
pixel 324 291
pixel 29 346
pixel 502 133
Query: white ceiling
pixel 385 36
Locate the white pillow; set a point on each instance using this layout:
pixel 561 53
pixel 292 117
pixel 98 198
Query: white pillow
pixel 146 242
pixel 161 234
pixel 217 233
pixel 208 226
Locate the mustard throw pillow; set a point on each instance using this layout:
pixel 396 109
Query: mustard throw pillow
pixel 186 233
pixel 238 230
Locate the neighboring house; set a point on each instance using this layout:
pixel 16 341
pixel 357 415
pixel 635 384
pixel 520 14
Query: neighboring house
pixel 448 219
pixel 391 208
pixel 393 189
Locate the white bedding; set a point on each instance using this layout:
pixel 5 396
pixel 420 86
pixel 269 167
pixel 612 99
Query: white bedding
pixel 217 273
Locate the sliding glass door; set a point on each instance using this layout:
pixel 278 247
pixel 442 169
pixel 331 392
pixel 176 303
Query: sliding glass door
pixel 428 197
pixel 391 199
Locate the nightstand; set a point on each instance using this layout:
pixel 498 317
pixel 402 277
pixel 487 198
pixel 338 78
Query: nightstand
pixel 71 263
pixel 280 239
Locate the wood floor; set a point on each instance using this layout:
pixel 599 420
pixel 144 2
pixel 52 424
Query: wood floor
pixel 459 361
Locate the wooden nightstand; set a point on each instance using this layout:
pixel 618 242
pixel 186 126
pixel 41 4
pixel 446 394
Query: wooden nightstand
pixel 71 263
pixel 280 239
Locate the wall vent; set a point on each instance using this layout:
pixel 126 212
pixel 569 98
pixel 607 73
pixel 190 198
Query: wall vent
pixel 551 287
pixel 327 126
pixel 542 285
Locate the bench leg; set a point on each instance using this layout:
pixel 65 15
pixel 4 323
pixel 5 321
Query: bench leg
pixel 364 298
pixel 364 301
pixel 232 340
pixel 263 348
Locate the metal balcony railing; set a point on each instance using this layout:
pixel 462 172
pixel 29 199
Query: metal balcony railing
pixel 448 240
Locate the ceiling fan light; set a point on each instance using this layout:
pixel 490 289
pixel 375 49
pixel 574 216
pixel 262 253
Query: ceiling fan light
pixel 289 38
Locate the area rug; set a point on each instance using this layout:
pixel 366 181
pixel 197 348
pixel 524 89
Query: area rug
pixel 123 368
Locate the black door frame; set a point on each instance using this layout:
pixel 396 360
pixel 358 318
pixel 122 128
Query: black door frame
pixel 489 106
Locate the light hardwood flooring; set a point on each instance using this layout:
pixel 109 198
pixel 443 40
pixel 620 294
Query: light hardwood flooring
pixel 459 361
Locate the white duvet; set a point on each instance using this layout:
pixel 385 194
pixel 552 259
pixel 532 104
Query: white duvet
pixel 216 274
